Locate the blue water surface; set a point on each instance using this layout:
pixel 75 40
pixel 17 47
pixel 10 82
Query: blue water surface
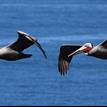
pixel 36 81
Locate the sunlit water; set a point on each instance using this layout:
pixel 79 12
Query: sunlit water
pixel 36 81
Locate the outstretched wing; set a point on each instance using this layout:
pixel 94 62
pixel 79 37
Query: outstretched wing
pixel 24 41
pixel 64 60
pixel 104 44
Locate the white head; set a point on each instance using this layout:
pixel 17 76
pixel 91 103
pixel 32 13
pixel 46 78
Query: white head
pixel 84 49
pixel 31 38
pixel 22 33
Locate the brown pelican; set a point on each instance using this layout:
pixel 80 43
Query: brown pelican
pixel 13 51
pixel 68 51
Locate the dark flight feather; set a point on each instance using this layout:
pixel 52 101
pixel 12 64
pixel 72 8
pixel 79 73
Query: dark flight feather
pixel 64 60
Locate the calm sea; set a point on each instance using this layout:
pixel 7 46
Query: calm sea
pixel 36 81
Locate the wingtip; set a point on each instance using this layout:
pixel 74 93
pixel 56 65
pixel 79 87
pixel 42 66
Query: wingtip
pixel 63 68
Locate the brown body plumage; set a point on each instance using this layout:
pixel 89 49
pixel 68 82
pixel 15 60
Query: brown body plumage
pixel 14 51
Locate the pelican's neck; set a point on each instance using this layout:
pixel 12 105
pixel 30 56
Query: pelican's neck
pixel 88 51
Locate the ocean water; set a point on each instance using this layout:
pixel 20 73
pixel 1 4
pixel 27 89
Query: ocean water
pixel 36 81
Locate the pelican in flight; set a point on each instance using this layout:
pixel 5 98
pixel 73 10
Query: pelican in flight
pixel 68 51
pixel 14 51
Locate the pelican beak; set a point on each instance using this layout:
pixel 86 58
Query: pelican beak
pixel 40 47
pixel 78 51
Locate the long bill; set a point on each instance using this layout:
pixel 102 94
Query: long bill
pixel 40 47
pixel 37 44
pixel 78 51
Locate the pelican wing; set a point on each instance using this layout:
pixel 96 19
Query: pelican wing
pixel 64 60
pixel 104 44
pixel 23 42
